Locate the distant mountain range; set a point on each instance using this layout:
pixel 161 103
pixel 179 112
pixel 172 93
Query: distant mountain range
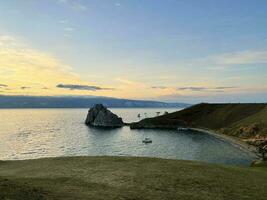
pixel 79 102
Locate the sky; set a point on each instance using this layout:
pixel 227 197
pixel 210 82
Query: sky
pixel 167 50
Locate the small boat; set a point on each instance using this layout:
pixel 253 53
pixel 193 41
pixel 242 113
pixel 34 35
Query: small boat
pixel 147 140
pixel 182 129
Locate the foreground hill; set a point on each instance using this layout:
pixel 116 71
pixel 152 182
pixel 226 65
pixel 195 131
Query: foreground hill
pixel 79 102
pixel 128 178
pixel 240 120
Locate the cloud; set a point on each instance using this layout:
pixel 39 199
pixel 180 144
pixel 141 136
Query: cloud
pixel 7 41
pixel 196 89
pixel 67 35
pixel 199 89
pixel 128 82
pixel 22 68
pixel 68 29
pixel 159 87
pixel 21 65
pixel 82 87
pixel 223 88
pixel 3 85
pixel 238 58
pixel 245 96
pixel 77 5
pixel 28 64
pixel 63 21
pixel 192 88
pixel 62 1
pixel 24 87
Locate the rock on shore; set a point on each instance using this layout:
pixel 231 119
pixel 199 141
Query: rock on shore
pixel 100 116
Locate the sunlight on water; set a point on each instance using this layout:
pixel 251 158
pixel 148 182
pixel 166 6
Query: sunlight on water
pixel 36 133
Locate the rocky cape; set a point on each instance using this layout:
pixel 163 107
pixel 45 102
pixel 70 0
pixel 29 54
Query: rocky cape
pixel 100 116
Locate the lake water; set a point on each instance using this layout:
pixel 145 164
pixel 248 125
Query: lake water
pixel 37 133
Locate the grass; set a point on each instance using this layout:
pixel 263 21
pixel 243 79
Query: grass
pixel 128 178
pixel 259 118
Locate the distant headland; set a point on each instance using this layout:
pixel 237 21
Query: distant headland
pixel 80 102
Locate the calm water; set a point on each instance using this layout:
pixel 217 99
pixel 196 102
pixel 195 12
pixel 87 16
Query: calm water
pixel 36 133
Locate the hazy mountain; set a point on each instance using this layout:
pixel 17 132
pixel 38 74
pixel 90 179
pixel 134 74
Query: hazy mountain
pixel 77 102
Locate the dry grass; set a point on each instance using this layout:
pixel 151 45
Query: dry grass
pixel 128 178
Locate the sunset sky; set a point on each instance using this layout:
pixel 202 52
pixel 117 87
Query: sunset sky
pixel 168 50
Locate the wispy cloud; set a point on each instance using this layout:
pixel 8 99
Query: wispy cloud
pixel 199 89
pixel 7 41
pixel 196 88
pixel 192 88
pixel 224 87
pixel 159 87
pixel 25 69
pixel 238 58
pixel 3 85
pixel 126 81
pixel 21 65
pixel 82 87
pixel 63 21
pixel 25 87
pixel 77 5
pixel 69 29
pixel 244 95
pixel 62 1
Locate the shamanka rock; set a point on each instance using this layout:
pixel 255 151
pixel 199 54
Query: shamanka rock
pixel 100 116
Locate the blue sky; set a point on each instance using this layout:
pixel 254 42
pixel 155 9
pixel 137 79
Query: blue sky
pixel 172 50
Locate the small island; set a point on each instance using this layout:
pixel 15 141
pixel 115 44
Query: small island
pixel 100 116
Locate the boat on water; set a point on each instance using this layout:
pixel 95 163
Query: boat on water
pixel 147 140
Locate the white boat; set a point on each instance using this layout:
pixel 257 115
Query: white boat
pixel 147 140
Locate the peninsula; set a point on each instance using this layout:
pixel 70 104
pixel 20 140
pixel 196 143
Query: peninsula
pixel 244 121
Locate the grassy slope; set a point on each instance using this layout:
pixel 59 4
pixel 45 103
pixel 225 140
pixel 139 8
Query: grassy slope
pixel 227 117
pixel 128 178
pixel 259 118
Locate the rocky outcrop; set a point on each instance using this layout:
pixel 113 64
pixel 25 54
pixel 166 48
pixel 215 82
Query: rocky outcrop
pixel 100 116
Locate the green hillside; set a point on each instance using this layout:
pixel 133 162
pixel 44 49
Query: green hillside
pixel 254 125
pixel 242 120
pixel 128 178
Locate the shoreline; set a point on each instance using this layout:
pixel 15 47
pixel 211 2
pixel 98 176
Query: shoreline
pixel 237 142
pixel 234 141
